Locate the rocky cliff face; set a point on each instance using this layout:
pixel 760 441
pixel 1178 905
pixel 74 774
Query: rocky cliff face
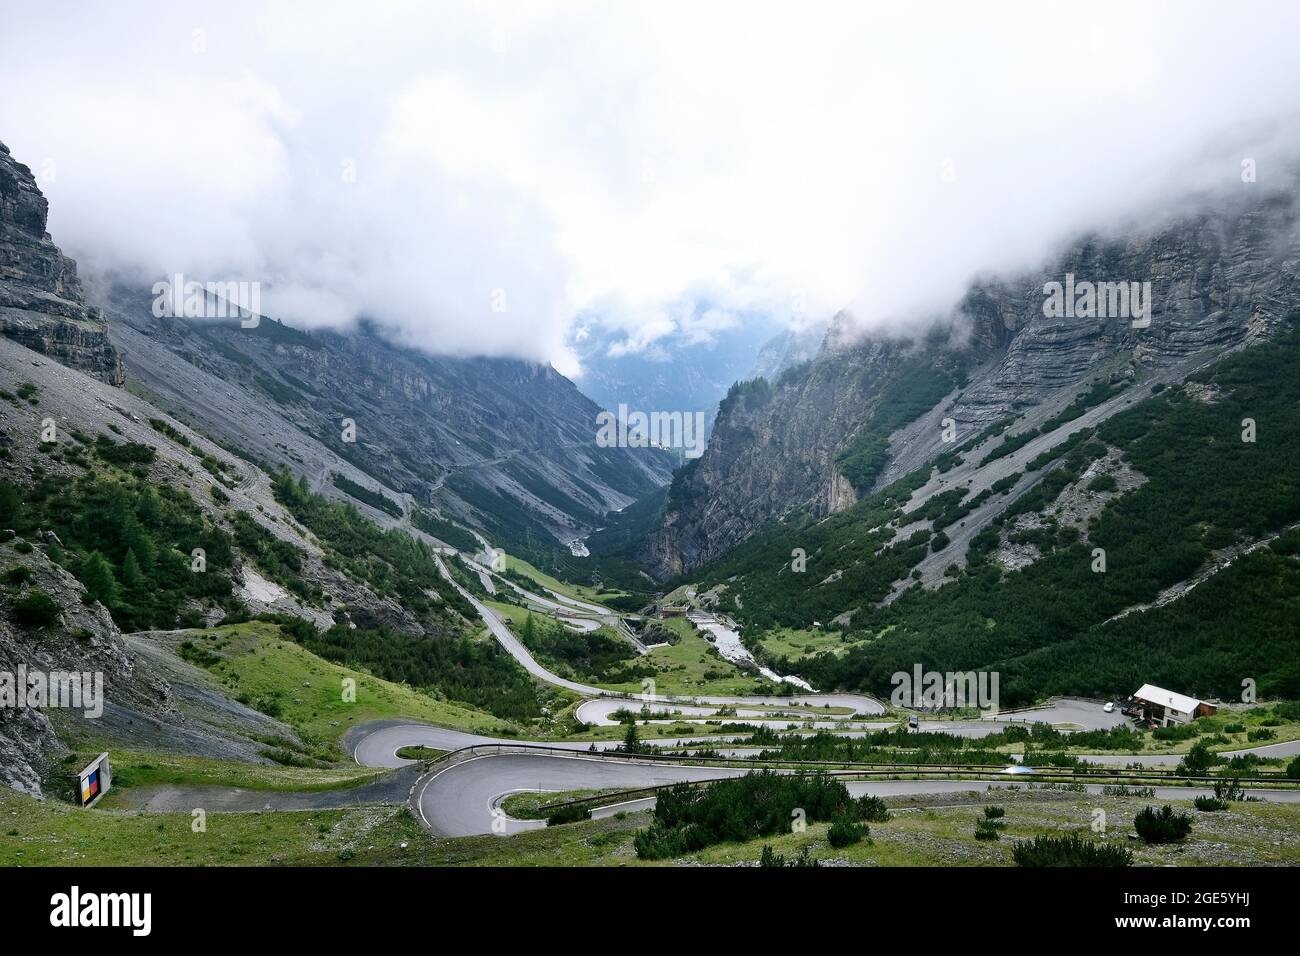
pixel 41 301
pixel 1221 277
pixel 773 450
pixel 506 446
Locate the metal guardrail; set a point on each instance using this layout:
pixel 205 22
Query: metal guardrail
pixel 1093 773
pixel 986 776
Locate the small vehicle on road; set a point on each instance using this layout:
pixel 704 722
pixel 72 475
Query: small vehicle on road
pixel 913 722
pixel 1110 707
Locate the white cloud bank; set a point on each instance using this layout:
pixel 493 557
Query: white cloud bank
pixel 476 175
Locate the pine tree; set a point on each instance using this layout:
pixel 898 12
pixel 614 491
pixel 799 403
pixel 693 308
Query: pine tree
pixel 139 541
pixel 11 505
pixel 632 740
pixel 285 489
pixel 149 508
pixel 132 576
pixel 97 576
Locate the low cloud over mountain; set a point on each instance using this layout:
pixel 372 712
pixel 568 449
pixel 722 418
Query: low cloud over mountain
pixel 471 184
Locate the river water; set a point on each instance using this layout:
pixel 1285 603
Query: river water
pixel 729 646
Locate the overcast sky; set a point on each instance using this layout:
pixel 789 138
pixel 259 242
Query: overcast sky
pixel 477 175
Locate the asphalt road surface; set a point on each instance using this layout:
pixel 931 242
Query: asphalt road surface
pixel 464 798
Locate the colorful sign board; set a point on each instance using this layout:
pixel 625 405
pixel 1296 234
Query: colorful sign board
pixel 94 781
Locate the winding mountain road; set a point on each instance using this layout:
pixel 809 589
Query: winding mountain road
pixel 463 798
pixel 463 794
pixel 858 704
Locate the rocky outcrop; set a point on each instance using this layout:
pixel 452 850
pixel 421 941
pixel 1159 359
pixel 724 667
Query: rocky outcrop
pixel 1222 276
pixel 82 639
pixel 772 451
pixel 41 300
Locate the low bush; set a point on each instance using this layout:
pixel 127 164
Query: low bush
pixel 771 858
pixel 18 574
pixel 986 829
pixel 1165 825
pixel 846 831
pixel 1070 850
pixel 35 610
pixel 872 809
pixel 688 817
pixel 569 814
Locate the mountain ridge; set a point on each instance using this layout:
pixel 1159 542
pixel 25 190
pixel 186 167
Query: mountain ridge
pixel 42 304
pixel 1223 277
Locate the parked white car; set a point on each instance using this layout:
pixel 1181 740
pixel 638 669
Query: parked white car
pixel 1109 708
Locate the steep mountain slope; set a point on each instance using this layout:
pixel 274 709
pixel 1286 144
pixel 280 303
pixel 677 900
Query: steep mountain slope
pixel 504 446
pixel 869 410
pixel 41 301
pixel 1107 493
pixel 116 517
pixel 1159 545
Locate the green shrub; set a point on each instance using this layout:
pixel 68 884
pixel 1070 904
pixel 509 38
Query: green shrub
pixel 1198 760
pixel 568 814
pixel 198 656
pixel 846 831
pixel 35 611
pixel 1070 850
pixel 1289 709
pixel 1229 791
pixel 1103 483
pixel 1176 732
pixel 1165 825
pixel 986 829
pixel 18 574
pixel 872 809
pixel 376 499
pixel 688 817
pixel 125 454
pixel 1006 484
pixel 771 858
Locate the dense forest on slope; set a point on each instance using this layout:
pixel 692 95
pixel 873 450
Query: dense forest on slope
pixel 444 530
pixel 596 656
pixel 764 589
pixel 391 562
pixel 478 673
pixel 129 542
pixel 1044 626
